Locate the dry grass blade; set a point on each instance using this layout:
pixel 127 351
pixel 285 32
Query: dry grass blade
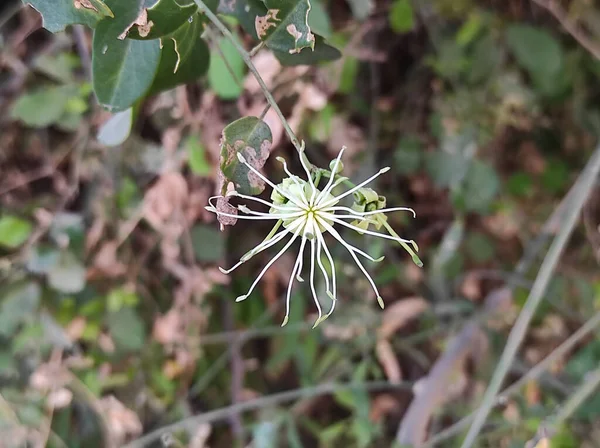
pixel 585 184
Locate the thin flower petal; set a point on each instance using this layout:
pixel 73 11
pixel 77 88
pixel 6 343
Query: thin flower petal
pixel 330 202
pixel 270 263
pixel 291 282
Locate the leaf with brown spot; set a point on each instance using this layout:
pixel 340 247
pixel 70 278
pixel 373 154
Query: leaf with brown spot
pixel 251 137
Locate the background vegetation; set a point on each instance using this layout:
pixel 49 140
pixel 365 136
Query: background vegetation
pixel 117 328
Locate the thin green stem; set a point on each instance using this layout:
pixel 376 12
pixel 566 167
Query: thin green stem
pixel 587 387
pixel 407 248
pixel 248 61
pixel 586 182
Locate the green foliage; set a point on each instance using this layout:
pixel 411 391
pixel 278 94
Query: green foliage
pixel 208 243
pixel 196 154
pixel 402 16
pixel 538 52
pixel 51 105
pixel 284 27
pixel 123 69
pixel 14 231
pixel 226 71
pixel 251 137
pixel 57 14
pixel 184 56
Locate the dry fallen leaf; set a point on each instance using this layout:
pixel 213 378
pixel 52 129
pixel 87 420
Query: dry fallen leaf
pixel 388 360
pixel 381 406
pixel 168 329
pixel 59 398
pixel 122 422
pixel 396 315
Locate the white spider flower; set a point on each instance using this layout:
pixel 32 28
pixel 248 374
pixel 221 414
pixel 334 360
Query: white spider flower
pixel 307 213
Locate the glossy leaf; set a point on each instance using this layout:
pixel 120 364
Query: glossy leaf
pixel 123 69
pixel 322 52
pixel 251 137
pixel 164 17
pixel 245 12
pixel 184 57
pixel 57 14
pixel 285 27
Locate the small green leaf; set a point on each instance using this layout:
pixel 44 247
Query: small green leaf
pixel 446 169
pixel 184 57
pixel 19 302
pixel 14 231
pixel 225 78
pixel 409 155
pixel 68 274
pixel 116 129
pixel 197 157
pixel 285 27
pixel 481 186
pixel 42 107
pixel 120 298
pixel 251 137
pixel 480 247
pixel 541 54
pixel 322 52
pixel 402 16
pixel 127 329
pixel 57 14
pixel 164 17
pixel 122 69
pixel 208 243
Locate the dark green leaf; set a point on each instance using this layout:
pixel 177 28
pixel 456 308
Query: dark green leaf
pixel 538 52
pixel 479 247
pixel 57 14
pixel 322 52
pixel 164 17
pixel 14 231
pixel 402 16
pixel 251 137
pixel 184 57
pixel 122 69
pixel 127 329
pixel 19 302
pixel 245 11
pixel 409 155
pixel 284 27
pixel 226 78
pixel 481 186
pixel 208 243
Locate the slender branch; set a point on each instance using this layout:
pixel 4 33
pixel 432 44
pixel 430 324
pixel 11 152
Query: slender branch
pixel 248 61
pixel 259 403
pixel 590 383
pixel 561 15
pixel 533 373
pixel 586 183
